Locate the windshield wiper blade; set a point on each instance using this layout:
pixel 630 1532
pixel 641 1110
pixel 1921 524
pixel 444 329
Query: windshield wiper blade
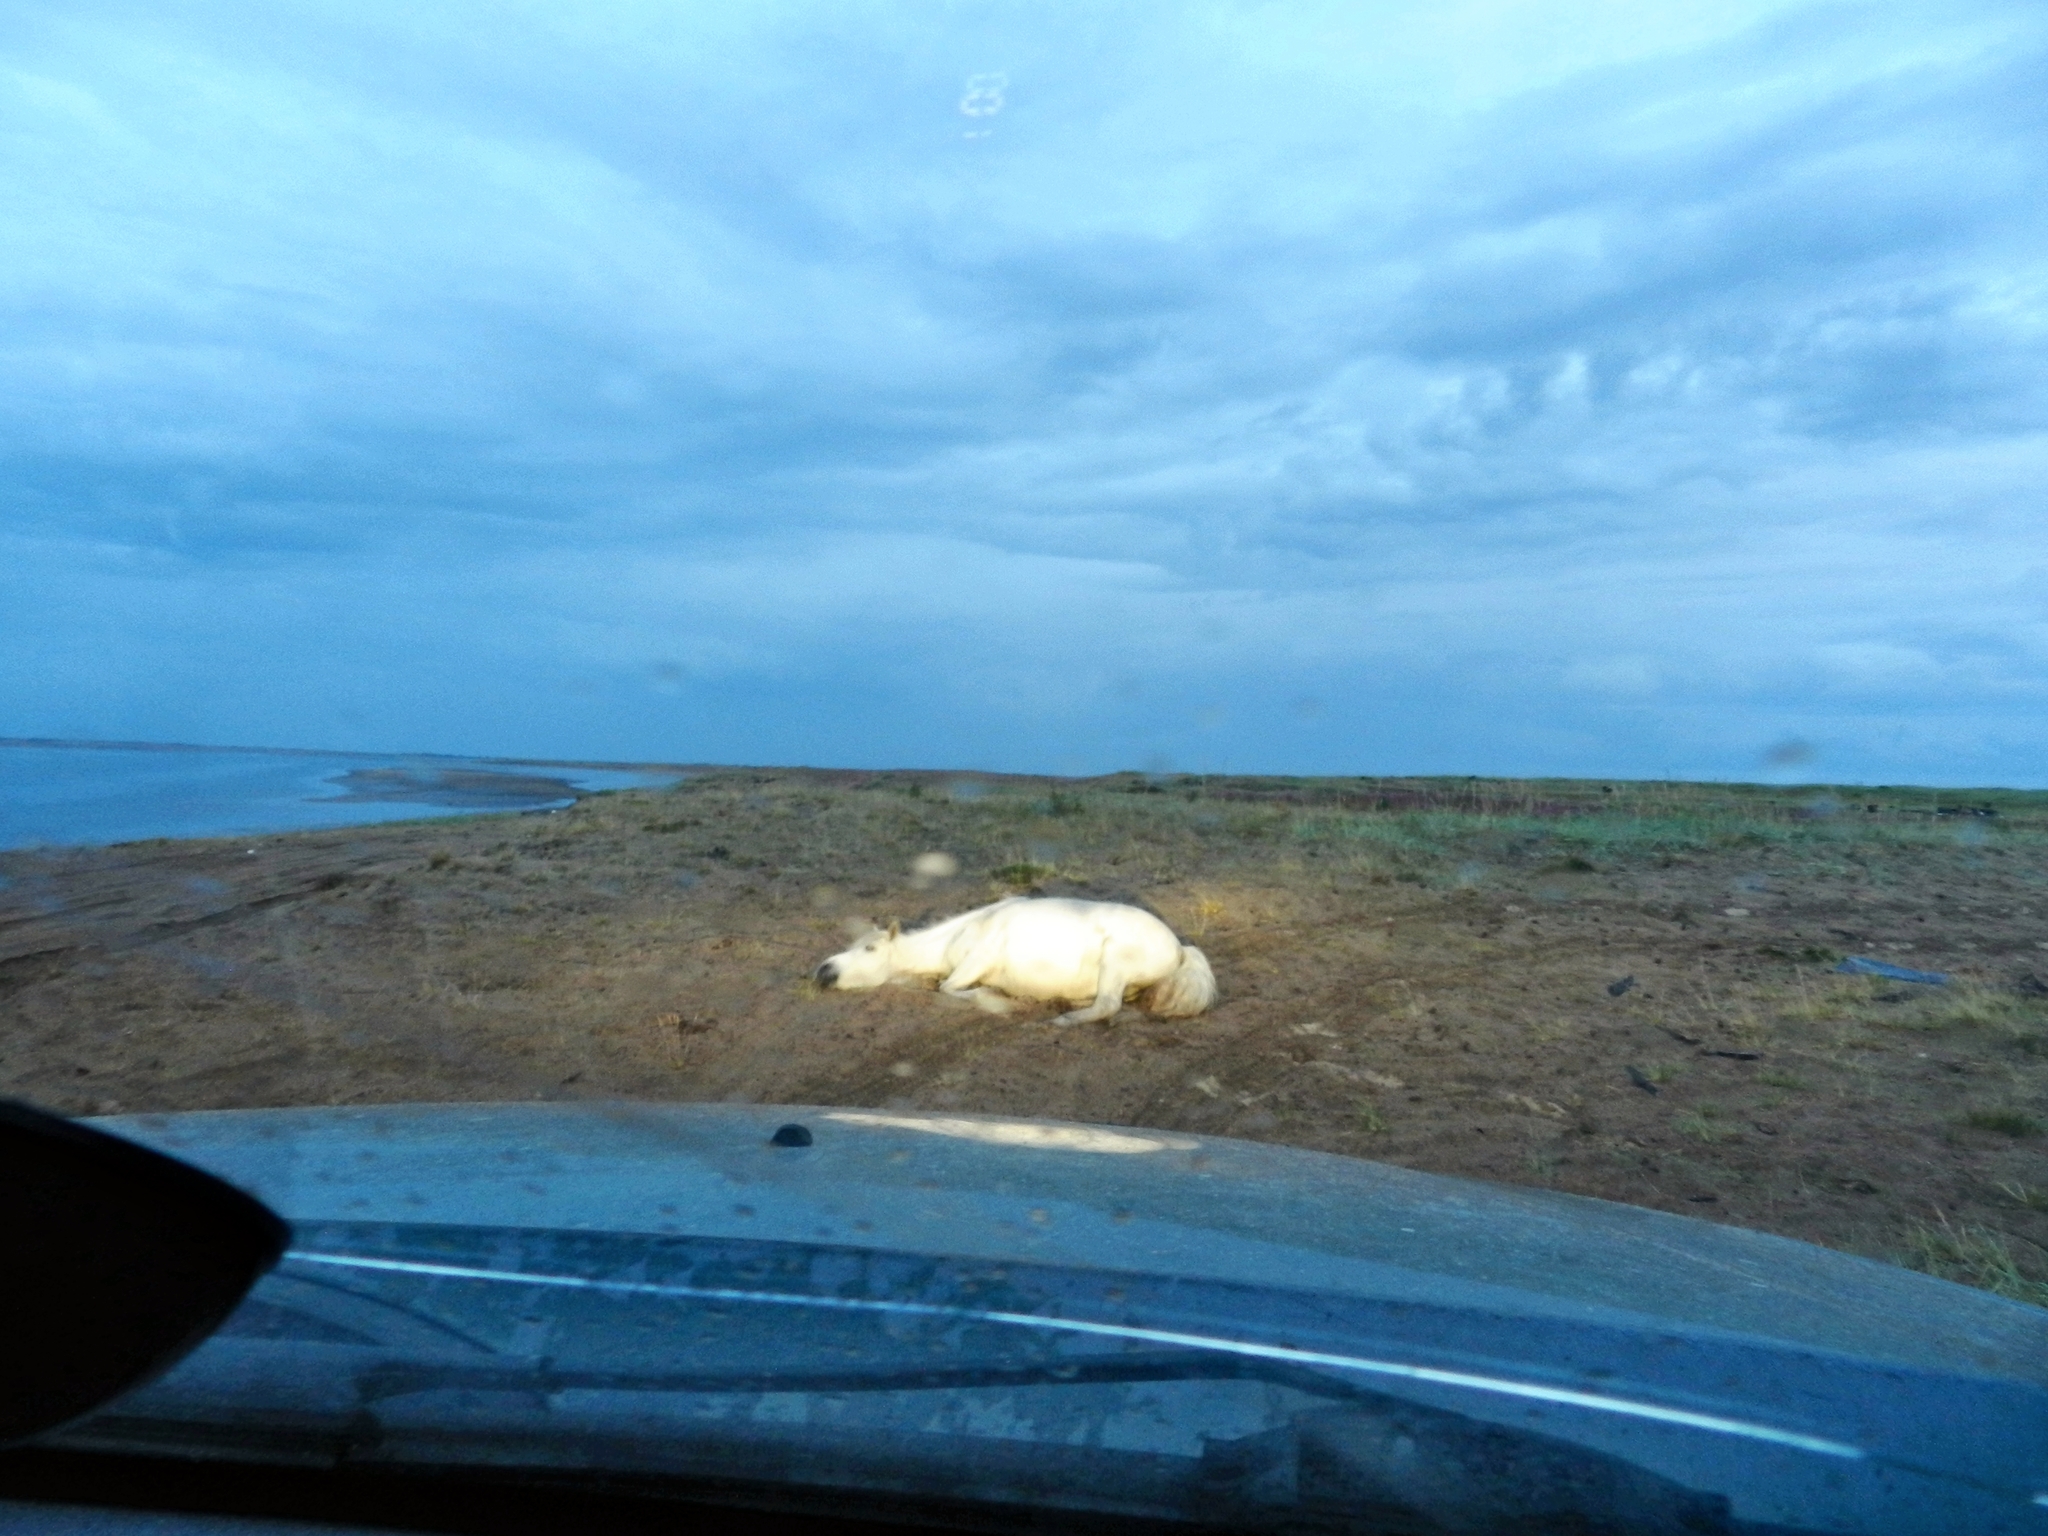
pixel 1206 1341
pixel 400 1378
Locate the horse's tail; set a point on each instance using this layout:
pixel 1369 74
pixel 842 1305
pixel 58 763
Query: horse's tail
pixel 1190 990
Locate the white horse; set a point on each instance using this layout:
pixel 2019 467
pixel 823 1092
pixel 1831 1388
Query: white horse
pixel 1047 949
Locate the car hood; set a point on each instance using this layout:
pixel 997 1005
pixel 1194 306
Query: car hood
pixel 1101 1197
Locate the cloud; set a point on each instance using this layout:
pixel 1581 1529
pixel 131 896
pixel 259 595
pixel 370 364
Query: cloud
pixel 1876 665
pixel 1613 674
pixel 1588 388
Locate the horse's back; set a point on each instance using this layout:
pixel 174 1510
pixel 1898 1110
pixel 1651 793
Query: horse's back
pixel 1068 919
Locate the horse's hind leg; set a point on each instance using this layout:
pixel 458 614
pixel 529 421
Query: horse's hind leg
pixel 1109 997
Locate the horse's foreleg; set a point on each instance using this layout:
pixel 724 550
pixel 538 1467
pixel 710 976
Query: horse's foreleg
pixel 987 999
pixel 964 980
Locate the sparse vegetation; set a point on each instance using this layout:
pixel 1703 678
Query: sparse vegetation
pixel 1705 1123
pixel 1024 873
pixel 1977 1007
pixel 1974 1255
pixel 2007 1122
pixel 1453 942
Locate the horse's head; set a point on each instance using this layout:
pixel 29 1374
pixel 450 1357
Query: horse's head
pixel 870 963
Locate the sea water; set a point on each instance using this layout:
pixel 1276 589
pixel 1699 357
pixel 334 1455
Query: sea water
pixel 69 794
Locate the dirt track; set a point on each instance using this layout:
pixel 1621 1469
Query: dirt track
pixel 1423 973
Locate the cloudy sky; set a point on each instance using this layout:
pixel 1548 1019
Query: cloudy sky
pixel 1600 387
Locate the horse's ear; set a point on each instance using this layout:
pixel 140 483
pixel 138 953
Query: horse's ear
pixel 895 929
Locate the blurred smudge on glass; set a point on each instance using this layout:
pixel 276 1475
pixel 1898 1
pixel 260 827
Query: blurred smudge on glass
pixel 984 95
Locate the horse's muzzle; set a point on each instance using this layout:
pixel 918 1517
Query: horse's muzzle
pixel 825 974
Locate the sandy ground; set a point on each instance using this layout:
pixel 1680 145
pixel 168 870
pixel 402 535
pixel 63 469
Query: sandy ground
pixel 1429 973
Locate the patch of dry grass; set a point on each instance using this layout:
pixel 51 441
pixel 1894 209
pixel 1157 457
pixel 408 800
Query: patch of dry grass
pixel 1972 1255
pixel 1968 1005
pixel 1825 999
pixel 1705 1123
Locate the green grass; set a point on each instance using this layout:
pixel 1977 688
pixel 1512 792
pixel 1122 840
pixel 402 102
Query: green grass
pixel 2008 1122
pixel 1430 832
pixel 1599 839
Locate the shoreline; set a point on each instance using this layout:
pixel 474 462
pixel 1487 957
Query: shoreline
pixel 106 794
pixel 590 764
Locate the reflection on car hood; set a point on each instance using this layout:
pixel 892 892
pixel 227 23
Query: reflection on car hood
pixel 984 1187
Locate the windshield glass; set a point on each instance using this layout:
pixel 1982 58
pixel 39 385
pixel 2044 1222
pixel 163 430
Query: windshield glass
pixel 1029 1386
pixel 1451 586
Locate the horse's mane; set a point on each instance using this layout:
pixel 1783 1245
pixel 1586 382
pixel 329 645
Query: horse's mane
pixel 1082 890
pixel 1074 890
